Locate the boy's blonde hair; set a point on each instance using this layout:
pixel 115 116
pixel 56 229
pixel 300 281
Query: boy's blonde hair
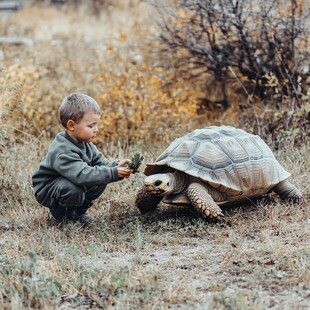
pixel 75 105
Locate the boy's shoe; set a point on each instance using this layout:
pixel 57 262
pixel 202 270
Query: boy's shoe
pixel 50 216
pixel 84 218
pixel 61 215
pixel 51 219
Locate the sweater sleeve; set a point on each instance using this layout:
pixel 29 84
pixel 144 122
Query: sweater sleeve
pixel 72 167
pixel 100 160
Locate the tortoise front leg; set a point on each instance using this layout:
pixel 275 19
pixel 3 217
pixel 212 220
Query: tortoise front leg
pixel 146 202
pixel 202 201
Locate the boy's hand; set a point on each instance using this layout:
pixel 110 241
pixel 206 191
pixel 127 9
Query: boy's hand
pixel 135 162
pixel 123 171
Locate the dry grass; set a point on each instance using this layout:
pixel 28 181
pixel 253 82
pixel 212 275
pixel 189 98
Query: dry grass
pixel 257 258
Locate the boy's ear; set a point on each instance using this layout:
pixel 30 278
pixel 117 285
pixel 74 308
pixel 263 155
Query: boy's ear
pixel 70 124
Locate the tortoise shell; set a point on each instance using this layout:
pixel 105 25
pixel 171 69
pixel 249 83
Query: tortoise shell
pixel 229 159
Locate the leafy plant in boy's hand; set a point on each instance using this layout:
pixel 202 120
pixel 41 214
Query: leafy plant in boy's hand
pixel 135 163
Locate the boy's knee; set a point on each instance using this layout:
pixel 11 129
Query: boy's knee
pixel 94 192
pixel 71 195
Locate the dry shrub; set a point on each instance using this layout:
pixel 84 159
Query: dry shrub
pixel 141 103
pixel 143 98
pixel 137 99
pixel 280 121
pixel 28 114
pixel 250 60
pixel 287 126
pixel 14 165
pixel 254 38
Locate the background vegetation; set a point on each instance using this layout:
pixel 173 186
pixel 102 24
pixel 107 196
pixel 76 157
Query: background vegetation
pixel 158 71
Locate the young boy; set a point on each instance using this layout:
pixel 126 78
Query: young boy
pixel 74 172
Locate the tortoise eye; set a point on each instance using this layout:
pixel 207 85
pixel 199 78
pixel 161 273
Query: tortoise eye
pixel 157 183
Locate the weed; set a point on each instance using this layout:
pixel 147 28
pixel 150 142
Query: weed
pixel 23 286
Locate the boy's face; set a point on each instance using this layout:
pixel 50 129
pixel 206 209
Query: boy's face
pixel 86 129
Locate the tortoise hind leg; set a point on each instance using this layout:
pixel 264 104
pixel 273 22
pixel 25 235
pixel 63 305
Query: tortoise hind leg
pixel 202 201
pixel 146 202
pixel 287 191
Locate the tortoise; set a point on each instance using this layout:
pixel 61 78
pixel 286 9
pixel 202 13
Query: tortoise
pixel 212 167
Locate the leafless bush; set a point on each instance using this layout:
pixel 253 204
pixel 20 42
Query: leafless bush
pixel 262 44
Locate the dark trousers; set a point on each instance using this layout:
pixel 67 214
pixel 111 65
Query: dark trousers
pixel 65 197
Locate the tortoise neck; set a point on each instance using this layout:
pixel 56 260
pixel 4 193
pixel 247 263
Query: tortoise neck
pixel 180 180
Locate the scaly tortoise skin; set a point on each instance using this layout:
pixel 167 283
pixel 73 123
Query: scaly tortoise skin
pixel 211 167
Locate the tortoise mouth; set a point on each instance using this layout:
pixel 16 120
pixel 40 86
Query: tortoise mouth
pixel 154 191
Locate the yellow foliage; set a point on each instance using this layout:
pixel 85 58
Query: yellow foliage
pixel 143 103
pixel 122 37
pixel 139 101
pixel 30 108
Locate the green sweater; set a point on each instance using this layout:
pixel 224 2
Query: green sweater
pixel 81 163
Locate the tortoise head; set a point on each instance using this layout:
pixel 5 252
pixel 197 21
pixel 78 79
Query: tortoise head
pixel 159 184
